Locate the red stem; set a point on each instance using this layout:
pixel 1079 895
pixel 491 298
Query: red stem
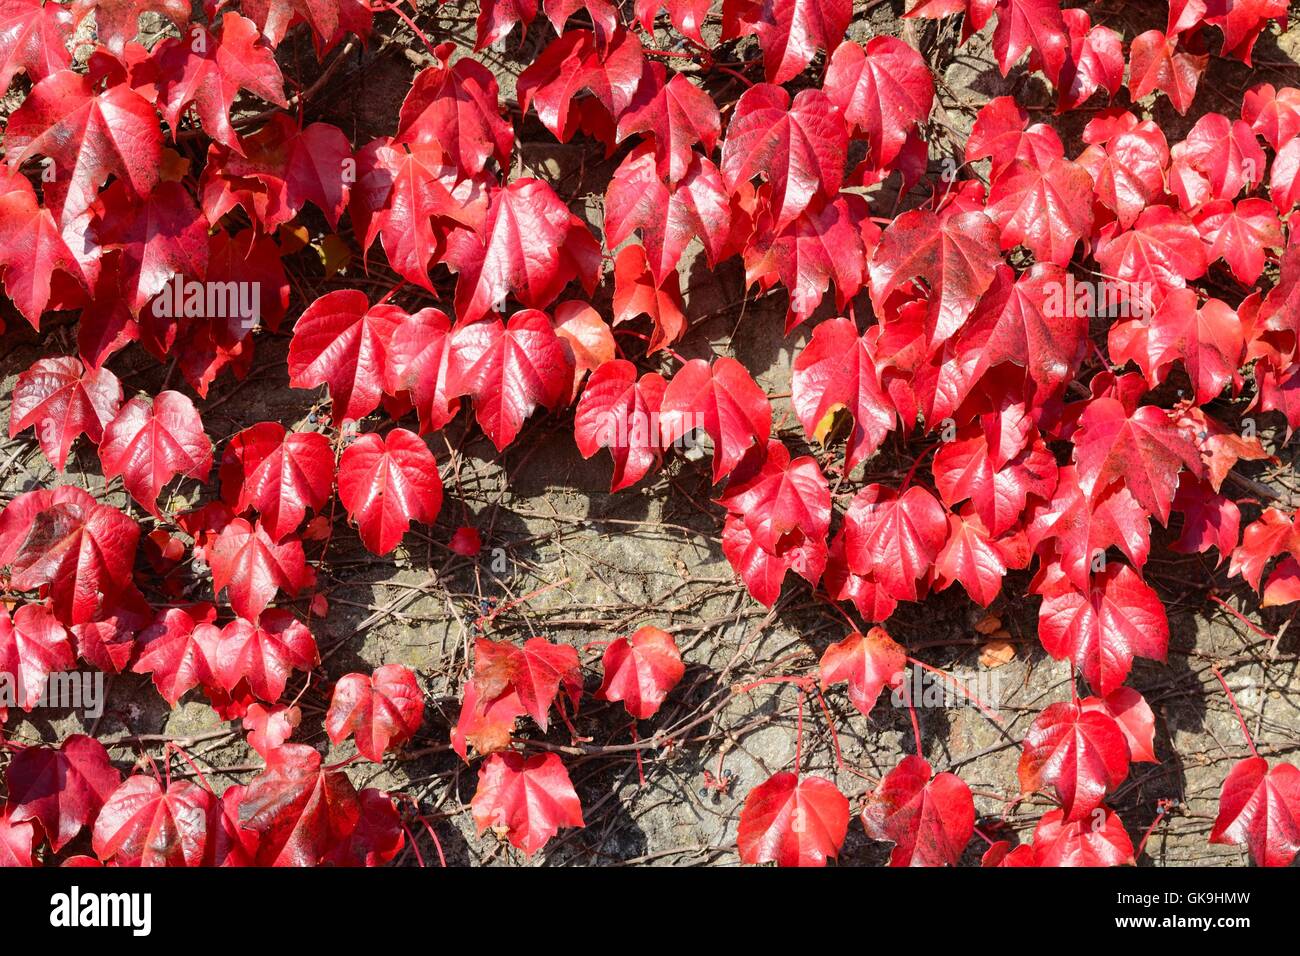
pixel 1233 701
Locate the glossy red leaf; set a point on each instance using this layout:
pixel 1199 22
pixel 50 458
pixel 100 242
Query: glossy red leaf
pixel 1100 840
pixel 677 114
pixel 419 363
pixel 1259 808
pixel 207 70
pixel 636 293
pixel 1157 62
pixel 1047 209
pixel 764 571
pixel 60 399
pixel 535 672
pixel 387 482
pixel 264 653
pixel 143 825
pixel 620 412
pixel 798 147
pixel 525 800
pixel 150 442
pixel 281 474
pixel 1079 751
pixel 640 670
pixel 894 538
pixel 957 257
pixel 883 90
pixel 869 662
pixel 251 566
pixel 33 35
pixel 509 369
pixel 32 646
pixel 836 371
pixel 1101 628
pixel 382 710
pixel 791 32
pixel 726 402
pixel 180 650
pixel 928 817
pixel 299 809
pixel 63 789
pixel 784 502
pixel 793 821
pixel 530 247
pixel 342 341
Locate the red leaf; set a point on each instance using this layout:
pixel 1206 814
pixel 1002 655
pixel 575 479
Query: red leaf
pixel 883 90
pixel 1100 840
pixel 377 837
pixel 209 70
pixel 17 840
pixel 525 800
pixel 509 369
pixel 60 399
pixel 1136 721
pixel 1157 62
pixel 264 653
pixel 284 168
pixel 998 481
pixel 587 338
pixel 1078 750
pixel 61 789
pixel 150 442
pixel 669 217
pixel 1262 541
pixel 636 293
pixel 957 257
pixel 383 710
pixel 977 559
pixel 81 549
pixel 793 821
pixel 929 821
pixel 535 672
pixel 419 362
pixel 799 147
pixel 251 567
pixel 725 401
pixel 825 242
pixel 88 135
pixel 1103 627
pixel 36 252
pixel 836 371
pixel 281 474
pixel 1139 447
pixel 1033 25
pixel 33 35
pixel 1259 808
pixel 386 483
pixel 1047 209
pixel 486 726
pixel 180 649
pixel 677 114
pixel 1128 170
pixel 342 341
pixel 530 247
pixel 299 809
pixel 574 62
pixel 1082 526
pixel 791 32
pixel 783 503
pixel 763 571
pixel 868 662
pixel 456 106
pixel 141 825
pixel 32 647
pixel 894 538
pixel 1240 234
pixel 620 412
pixel 640 671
